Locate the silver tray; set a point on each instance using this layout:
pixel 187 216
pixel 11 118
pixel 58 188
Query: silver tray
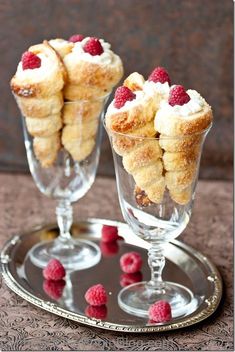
pixel 184 265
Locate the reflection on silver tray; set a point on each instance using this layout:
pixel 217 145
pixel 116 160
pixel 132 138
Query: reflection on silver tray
pixel 184 265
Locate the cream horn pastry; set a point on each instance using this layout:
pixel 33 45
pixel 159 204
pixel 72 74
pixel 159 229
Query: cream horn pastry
pixel 93 70
pixel 158 84
pixel 180 121
pixel 132 114
pixel 37 86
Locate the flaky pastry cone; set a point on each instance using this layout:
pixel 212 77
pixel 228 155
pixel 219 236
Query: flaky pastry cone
pixel 38 92
pixel 141 158
pixel 81 121
pixel 180 128
pixel 91 77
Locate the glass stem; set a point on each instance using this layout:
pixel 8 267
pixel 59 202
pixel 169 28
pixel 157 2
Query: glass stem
pixel 156 261
pixel 64 213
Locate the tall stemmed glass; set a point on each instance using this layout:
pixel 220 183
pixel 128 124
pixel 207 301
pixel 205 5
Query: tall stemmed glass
pixel 67 180
pixel 158 224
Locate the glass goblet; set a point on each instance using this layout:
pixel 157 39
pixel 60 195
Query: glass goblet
pixel 68 179
pixel 156 222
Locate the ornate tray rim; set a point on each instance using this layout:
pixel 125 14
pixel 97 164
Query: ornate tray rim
pixel 213 303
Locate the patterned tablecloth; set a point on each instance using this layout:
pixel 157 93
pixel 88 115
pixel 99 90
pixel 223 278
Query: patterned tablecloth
pixel 25 327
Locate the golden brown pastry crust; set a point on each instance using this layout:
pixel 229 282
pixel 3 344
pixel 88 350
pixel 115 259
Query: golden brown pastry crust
pixel 146 153
pixel 156 190
pixel 75 143
pixel 179 125
pixel 141 158
pixel 78 112
pixel 181 138
pixel 181 179
pixel 141 197
pixel 44 127
pixel 85 74
pixel 181 196
pixel 180 143
pixel 61 46
pixel 134 81
pixel 126 121
pixel 180 160
pixel 46 149
pixel 73 92
pixel 40 107
pixel 50 85
pixel 122 143
pixel 79 138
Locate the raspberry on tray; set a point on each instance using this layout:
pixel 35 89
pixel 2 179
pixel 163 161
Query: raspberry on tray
pixel 131 262
pixel 160 312
pixel 54 270
pixel 96 295
pixel 109 233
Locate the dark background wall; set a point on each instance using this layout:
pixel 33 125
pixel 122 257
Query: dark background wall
pixel 191 38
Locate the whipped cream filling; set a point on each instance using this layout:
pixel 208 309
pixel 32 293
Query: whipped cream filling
pixel 37 74
pixel 152 88
pixel 105 58
pixel 194 105
pixel 129 104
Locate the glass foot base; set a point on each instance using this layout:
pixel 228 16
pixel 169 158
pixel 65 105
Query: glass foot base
pixel 137 298
pixel 74 255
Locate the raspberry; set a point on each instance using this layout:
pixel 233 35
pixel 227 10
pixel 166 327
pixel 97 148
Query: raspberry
pixel 128 279
pixel 54 270
pixel 109 233
pixel 30 61
pixel 131 262
pixel 99 312
pixel 122 95
pixel 93 47
pixel 159 74
pixel 96 295
pixel 178 96
pixel 160 312
pixel 108 249
pixel 76 38
pixel 54 289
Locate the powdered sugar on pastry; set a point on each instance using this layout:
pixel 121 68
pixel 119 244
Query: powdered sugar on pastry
pixel 63 47
pixel 106 58
pixel 194 105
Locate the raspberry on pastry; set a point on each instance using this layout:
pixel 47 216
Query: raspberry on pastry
pixel 30 61
pixel 178 96
pixel 160 74
pixel 122 95
pixel 37 86
pixel 93 47
pixel 76 38
pixel 132 113
pixel 179 121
